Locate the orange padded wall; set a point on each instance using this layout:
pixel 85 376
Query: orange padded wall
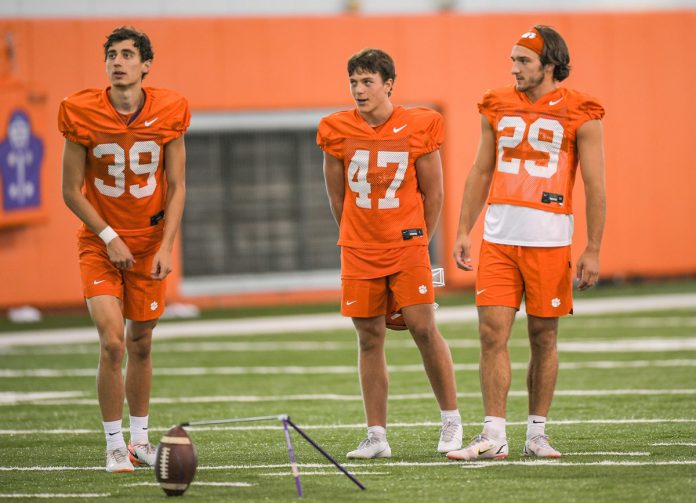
pixel 637 64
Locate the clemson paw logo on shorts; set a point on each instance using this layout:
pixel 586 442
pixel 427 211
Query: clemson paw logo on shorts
pixel 556 302
pixel 423 289
pixel 154 305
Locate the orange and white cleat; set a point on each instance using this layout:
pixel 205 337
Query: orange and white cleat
pixel 117 461
pixel 142 454
pixel 539 446
pixel 481 447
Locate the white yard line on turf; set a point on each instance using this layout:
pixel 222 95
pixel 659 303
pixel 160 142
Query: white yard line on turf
pixel 356 398
pixel 198 483
pixel 391 464
pixel 336 369
pixel 672 343
pixel 632 322
pixel 554 463
pixel 304 474
pixel 670 444
pixel 333 321
pixel 15 397
pixel 608 453
pixel 356 426
pixel 473 464
pixel 54 495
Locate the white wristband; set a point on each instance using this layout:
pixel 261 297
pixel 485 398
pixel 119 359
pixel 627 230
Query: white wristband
pixel 107 235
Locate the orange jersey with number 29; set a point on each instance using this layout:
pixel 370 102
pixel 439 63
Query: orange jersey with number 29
pixel 537 146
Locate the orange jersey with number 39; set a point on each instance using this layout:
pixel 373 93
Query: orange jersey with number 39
pixel 536 144
pixel 124 168
pixel 382 197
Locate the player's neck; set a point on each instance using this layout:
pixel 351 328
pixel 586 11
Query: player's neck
pixel 127 100
pixel 380 115
pixel 538 91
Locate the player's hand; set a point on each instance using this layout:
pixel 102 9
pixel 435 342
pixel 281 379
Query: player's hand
pixel 161 265
pixel 588 269
pixel 462 252
pixel 119 254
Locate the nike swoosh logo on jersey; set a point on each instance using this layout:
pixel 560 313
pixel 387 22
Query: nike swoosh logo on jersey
pixel 350 302
pixel 150 122
pixel 100 281
pixel 479 292
pixel 552 103
pixel 397 129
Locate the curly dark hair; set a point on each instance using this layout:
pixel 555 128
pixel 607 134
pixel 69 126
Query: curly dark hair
pixel 555 52
pixel 140 40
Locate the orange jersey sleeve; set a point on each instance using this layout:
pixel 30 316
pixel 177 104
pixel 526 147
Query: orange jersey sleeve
pixel 382 198
pixel 536 146
pixel 124 168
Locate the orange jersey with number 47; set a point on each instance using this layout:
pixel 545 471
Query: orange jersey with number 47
pixel 382 198
pixel 124 168
pixel 536 144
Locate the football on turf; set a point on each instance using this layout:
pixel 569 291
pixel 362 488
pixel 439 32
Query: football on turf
pixel 176 462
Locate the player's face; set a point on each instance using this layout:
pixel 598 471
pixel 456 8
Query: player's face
pixel 123 64
pixel 526 68
pixel 369 91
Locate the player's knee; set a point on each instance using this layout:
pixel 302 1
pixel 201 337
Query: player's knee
pixel 371 340
pixel 424 334
pixel 113 350
pixel 543 340
pixel 491 338
pixel 140 348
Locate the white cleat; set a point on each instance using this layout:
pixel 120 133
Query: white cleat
pixel 450 436
pixel 371 448
pixel 142 454
pixel 482 447
pixel 117 461
pixel 539 446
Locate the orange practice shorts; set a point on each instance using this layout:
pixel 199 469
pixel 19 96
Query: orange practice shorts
pixel 365 298
pixel 544 275
pixel 142 297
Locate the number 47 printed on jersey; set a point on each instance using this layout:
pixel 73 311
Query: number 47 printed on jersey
pixel 358 179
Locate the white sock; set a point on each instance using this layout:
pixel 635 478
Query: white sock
pixel 535 426
pixel 379 432
pixel 138 430
pixel 451 415
pixel 113 434
pixel 494 427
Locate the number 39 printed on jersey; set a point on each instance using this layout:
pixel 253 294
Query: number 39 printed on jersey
pixel 117 169
pixel 552 147
pixel 357 177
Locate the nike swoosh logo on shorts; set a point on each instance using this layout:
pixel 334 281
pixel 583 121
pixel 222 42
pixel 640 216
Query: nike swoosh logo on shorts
pixel 350 302
pixel 98 282
pixel 479 292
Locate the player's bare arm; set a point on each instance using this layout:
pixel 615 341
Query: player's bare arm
pixel 590 141
pixel 175 169
pixel 74 156
pixel 476 190
pixel 430 182
pixel 335 185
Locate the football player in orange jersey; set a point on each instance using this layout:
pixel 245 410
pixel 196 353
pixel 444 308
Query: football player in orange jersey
pixel 532 136
pixel 383 177
pixel 118 142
